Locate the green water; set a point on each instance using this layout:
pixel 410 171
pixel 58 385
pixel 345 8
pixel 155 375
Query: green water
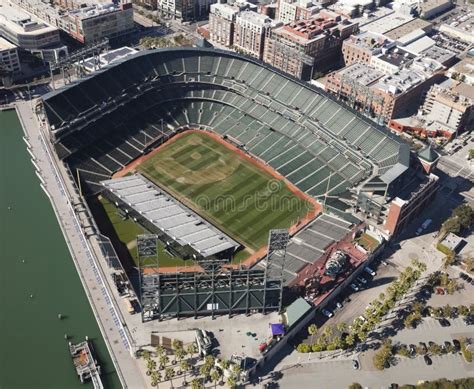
pixel 33 351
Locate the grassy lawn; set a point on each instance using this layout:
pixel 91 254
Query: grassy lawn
pixel 127 231
pixel 225 188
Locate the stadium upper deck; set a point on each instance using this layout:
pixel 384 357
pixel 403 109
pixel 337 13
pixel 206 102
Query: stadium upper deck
pixel 103 122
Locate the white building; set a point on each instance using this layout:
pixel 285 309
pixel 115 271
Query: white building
pixel 9 56
pixel 251 29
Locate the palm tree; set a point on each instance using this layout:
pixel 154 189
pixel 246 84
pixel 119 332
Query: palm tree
pixel 155 378
pixel 191 349
pixel 236 370
pixel 225 362
pixel 204 370
pixel 231 382
pixel 209 360
pixel 341 327
pixel 169 374
pixel 312 330
pixel 151 365
pixel 163 361
pixel 160 350
pixel 146 355
pixel 196 383
pixel 176 345
pixel 184 365
pixel 180 354
pixel 215 376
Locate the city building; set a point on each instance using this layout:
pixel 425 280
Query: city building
pixel 185 10
pixel 87 24
pixel 361 47
pixel 382 95
pixel 9 59
pixel 301 48
pixel 222 21
pixel 30 34
pixel 450 105
pixel 251 30
pixel 292 10
pixel 461 27
pixel 415 192
pixel 392 60
pixel 463 71
pixel 426 9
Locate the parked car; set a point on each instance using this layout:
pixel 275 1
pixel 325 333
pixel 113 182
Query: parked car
pixel 423 347
pixel 469 320
pixel 447 344
pixel 355 364
pixel 362 280
pixel 354 287
pixel 339 305
pixel 370 271
pixel 457 345
pixel 444 323
pixel 412 349
pixel 428 360
pixel 327 313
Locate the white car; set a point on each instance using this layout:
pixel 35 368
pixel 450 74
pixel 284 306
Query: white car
pixel 327 313
pixel 369 271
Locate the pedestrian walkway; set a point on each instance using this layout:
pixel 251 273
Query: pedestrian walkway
pixel 85 251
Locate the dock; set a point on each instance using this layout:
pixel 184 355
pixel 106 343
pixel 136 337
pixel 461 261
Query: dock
pixel 85 364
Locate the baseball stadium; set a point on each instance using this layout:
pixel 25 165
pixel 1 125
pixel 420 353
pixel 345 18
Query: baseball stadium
pixel 209 151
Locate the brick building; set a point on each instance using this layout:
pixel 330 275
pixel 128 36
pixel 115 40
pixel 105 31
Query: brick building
pixel 222 19
pixel 303 47
pixel 361 47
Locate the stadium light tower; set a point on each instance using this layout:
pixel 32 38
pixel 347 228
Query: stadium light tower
pixel 275 261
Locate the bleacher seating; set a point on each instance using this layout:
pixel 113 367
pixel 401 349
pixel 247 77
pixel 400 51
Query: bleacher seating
pixel 304 134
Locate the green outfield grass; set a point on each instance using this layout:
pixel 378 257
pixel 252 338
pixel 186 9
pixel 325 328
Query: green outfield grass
pixel 225 188
pixel 127 231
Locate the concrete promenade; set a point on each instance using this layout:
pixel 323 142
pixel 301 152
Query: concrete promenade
pixel 84 248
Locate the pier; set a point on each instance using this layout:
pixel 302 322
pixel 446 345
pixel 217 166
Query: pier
pixel 85 364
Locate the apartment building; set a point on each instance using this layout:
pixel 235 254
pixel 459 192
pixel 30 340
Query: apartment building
pixel 185 10
pixel 222 21
pixel 383 95
pixel 362 47
pixel 292 10
pixel 87 24
pixel 9 57
pixel 251 30
pixel 450 105
pixel 303 47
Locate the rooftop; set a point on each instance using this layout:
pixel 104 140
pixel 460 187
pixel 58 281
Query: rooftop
pixel 254 18
pixel 5 45
pixel 362 73
pixel 21 22
pixel 396 56
pixel 167 214
pixel 371 41
pixel 428 154
pixel 439 54
pixel 407 28
pixel 386 23
pixel 422 44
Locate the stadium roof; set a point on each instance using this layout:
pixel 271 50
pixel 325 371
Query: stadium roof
pixel 170 216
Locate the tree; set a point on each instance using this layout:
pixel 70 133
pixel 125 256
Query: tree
pixel 180 354
pixel 185 366
pixel 453 225
pixel 146 355
pixel 312 330
pixel 204 370
pixel 215 376
pixel 435 349
pixel 231 382
pixel 191 349
pixel 151 365
pixel 236 372
pixel 355 385
pixel 303 348
pixel 465 214
pixel 341 327
pixel 160 350
pixel 155 378
pixel 163 361
pixel 447 310
pixel 196 383
pixel 169 374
